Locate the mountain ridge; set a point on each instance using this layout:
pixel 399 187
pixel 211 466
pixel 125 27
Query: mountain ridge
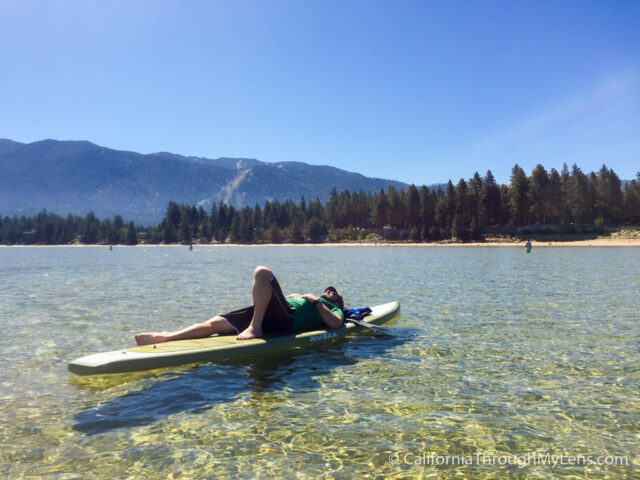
pixel 79 176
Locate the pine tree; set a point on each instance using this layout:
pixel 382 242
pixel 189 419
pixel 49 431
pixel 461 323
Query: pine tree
pixel 256 218
pixel 90 229
pixel 234 230
pixel 475 193
pixel 556 197
pixel 505 205
pixel 475 229
pixel 609 195
pixel 194 219
pixel 397 212
pixel 446 205
pixel 315 229
pixel 185 227
pixel 434 233
pixel 577 195
pixel 592 193
pixel 380 210
pixel 565 186
pixel 462 204
pixel 246 225
pixel 631 201
pixel 224 217
pixel 118 223
pixel 414 218
pixel 169 232
pixel 519 196
pixel 450 199
pixel 330 208
pixel 108 232
pixel 204 231
pixel 273 234
pixel 303 208
pixel 490 202
pixel 132 238
pixel 459 229
pixel 427 207
pixel 294 233
pixel 539 194
pixel 173 214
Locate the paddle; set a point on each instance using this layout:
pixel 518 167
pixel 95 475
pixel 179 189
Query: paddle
pixel 362 323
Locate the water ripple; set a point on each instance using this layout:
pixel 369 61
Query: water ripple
pixel 495 352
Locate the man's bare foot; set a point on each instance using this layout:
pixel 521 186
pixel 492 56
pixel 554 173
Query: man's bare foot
pixel 250 332
pixel 150 338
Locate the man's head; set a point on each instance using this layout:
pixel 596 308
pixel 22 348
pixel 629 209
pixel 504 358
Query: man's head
pixel 330 294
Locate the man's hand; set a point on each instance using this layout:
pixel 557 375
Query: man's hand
pixel 329 318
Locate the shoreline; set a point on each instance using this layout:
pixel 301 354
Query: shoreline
pixel 597 242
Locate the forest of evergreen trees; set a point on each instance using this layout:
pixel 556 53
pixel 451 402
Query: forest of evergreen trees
pixel 463 211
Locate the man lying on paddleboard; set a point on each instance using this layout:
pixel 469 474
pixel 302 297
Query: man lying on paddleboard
pixel 270 313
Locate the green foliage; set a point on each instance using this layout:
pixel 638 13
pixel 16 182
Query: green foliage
pixel 380 210
pixel 459 229
pixel 598 223
pixel 414 217
pixel 631 201
pixel 519 196
pixel 490 204
pixel 132 239
pixel 293 233
pixel 90 229
pixel 185 227
pixel 577 195
pixel 568 197
pixel 539 191
pixel 273 234
pixel 204 231
pixel 51 229
pixel 373 238
pixel 315 229
pixel 474 229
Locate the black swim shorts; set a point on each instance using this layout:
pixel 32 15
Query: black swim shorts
pixel 278 318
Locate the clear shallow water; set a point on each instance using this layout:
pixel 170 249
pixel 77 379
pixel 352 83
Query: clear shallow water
pixel 496 352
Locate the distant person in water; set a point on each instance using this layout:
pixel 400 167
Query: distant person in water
pixel 271 313
pixel 528 245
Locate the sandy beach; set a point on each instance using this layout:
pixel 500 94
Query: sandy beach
pixel 491 243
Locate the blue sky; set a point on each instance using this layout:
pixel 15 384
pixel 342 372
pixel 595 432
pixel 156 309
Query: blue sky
pixel 418 91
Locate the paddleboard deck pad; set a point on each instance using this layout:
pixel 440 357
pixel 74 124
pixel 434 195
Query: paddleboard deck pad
pixel 213 348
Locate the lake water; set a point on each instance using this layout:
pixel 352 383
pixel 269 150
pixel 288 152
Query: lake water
pixel 496 353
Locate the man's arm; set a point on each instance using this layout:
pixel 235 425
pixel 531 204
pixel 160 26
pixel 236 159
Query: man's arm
pixel 294 295
pixel 331 320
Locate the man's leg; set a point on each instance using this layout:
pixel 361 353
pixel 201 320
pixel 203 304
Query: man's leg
pixel 261 292
pixel 199 330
